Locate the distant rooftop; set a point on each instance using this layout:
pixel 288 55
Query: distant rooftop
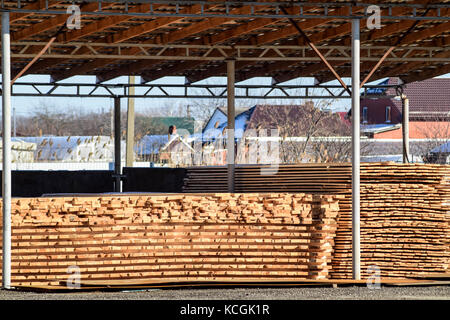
pixel 429 98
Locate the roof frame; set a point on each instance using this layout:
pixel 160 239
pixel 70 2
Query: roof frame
pixel 109 46
pixel 223 52
pixel 298 9
pixel 198 91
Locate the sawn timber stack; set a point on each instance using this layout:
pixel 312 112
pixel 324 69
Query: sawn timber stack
pixel 172 237
pixel 404 210
pixel 276 235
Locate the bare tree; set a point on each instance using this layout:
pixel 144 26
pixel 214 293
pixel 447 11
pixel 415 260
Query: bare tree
pixel 310 132
pixel 436 133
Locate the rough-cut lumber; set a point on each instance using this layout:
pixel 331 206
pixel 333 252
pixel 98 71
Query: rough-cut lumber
pixel 274 236
pixel 196 237
pixel 404 210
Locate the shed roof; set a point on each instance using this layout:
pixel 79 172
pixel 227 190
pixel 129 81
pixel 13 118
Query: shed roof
pixel 124 39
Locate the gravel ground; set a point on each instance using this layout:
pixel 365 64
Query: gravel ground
pixel 300 293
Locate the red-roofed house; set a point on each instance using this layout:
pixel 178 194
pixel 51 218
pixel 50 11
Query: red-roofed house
pixel 429 111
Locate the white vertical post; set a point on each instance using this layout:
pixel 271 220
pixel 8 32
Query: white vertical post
pixel 6 171
pixel 356 151
pixel 230 123
pixel 130 125
pixel 405 128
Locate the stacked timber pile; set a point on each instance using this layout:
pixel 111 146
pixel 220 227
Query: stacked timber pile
pixel 308 177
pixel 405 210
pixel 405 222
pixel 173 237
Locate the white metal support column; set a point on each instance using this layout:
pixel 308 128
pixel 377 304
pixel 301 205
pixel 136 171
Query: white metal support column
pixel 130 125
pixel 405 128
pixel 6 171
pixel 356 249
pixel 230 123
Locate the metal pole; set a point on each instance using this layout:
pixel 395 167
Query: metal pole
pixel 230 123
pixel 6 172
pixel 14 122
pixel 117 155
pixel 405 128
pixel 111 133
pixel 130 125
pixel 356 151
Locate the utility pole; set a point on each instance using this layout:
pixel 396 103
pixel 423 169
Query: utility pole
pixel 130 124
pixel 230 123
pixel 117 149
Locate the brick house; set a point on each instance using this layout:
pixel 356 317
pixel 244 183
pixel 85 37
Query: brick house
pixel 429 111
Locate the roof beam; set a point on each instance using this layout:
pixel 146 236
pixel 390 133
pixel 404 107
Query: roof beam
pixel 137 67
pixel 45 63
pixel 388 70
pixel 413 9
pixel 38 5
pixel 269 70
pixel 48 24
pixel 315 38
pixel 414 37
pixel 100 63
pixel 148 26
pixel 278 35
pixel 213 40
pixel 142 65
pixel 105 23
pixel 376 34
pixel 431 73
pixel 407 67
pixel 416 64
pixel 93 27
pixel 314 69
pixel 427 33
pixel 166 39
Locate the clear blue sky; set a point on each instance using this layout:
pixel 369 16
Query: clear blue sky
pixel 27 105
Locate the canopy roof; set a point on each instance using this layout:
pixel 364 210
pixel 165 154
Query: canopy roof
pixel 153 38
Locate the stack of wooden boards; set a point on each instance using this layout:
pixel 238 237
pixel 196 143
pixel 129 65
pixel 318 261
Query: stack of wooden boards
pixel 299 229
pixel 405 222
pixel 404 210
pixel 308 178
pixel 184 237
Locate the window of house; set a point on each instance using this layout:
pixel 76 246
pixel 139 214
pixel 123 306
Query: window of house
pixel 364 114
pixel 388 114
